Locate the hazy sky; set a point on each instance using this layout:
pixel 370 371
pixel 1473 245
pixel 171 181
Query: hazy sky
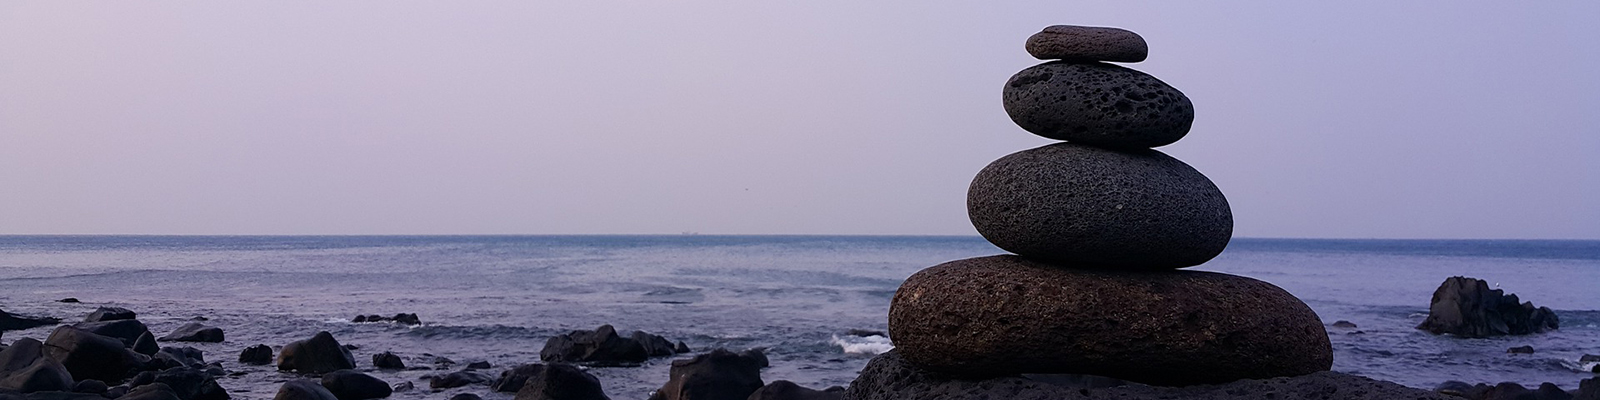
pixel 1375 119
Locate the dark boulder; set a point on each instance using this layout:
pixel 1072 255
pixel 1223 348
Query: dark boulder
pixel 152 391
pixel 110 314
pixel 73 300
pixel 1099 208
pixel 479 365
pixel 1087 43
pixel 351 385
pixel 404 386
pixel 318 355
pixel 557 382
pixel 1466 307
pixel 90 386
pixel 457 379
pixel 191 384
pixel 25 369
pixel 182 356
pixel 387 360
pixel 10 322
pixel 195 332
pixel 682 347
pixel 718 375
pixel 90 356
pixel 1004 315
pixel 1097 104
pixel 1344 324
pixel 1588 389
pixel 303 389
pixel 757 356
pixel 511 380
pixel 1520 350
pixel 401 318
pixel 890 377
pixel 654 345
pixel 258 355
pixel 786 390
pixel 601 346
pixel 466 396
pixel 146 344
pixel 126 330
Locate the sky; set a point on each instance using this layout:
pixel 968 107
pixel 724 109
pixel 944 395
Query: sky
pixel 1361 119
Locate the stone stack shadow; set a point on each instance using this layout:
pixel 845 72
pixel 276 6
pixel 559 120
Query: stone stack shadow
pixel 1101 226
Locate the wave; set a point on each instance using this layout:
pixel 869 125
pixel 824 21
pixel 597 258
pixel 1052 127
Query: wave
pixel 874 344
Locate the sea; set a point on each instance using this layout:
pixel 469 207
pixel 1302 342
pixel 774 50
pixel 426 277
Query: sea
pixel 800 298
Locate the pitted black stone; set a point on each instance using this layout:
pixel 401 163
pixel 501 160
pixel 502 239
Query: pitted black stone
pixel 1099 104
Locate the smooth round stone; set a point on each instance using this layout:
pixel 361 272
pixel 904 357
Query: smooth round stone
pixel 1088 43
pixel 1099 104
pixel 1002 315
pixel 1094 207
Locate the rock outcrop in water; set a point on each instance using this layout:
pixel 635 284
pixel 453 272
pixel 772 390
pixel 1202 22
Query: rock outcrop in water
pixel 9 322
pixel 603 346
pixel 319 354
pixel 25 369
pixel 110 314
pixel 1466 307
pixel 550 382
pixel 87 355
pixel 1588 389
pixel 786 390
pixel 351 385
pixel 718 375
pixel 195 332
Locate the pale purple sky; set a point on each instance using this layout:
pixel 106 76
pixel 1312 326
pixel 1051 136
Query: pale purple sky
pixel 1372 119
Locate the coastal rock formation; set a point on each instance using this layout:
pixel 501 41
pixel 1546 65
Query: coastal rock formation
pixel 401 318
pixel 555 382
pixel 25 369
pixel 259 354
pixel 1099 208
pixel 457 379
pixel 603 346
pixel 1003 315
pixel 303 389
pixel 1588 389
pixel 151 391
pixel 9 322
pixel 110 314
pixel 351 385
pixel 718 375
pixel 146 344
pixel 126 330
pixel 319 354
pixel 786 390
pixel 1087 43
pixel 1466 307
pixel 1097 104
pixel 87 355
pixel 387 360
pixel 191 384
pixel 195 332
pixel 889 377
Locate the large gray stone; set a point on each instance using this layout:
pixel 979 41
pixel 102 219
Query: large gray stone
pixel 1099 104
pixel 317 355
pixel 1093 207
pixel 87 355
pixel 889 377
pixel 1087 43
pixel 1001 315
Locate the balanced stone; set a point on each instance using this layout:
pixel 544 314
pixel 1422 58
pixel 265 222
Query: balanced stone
pixel 1094 207
pixel 1001 315
pixel 1097 103
pixel 1067 42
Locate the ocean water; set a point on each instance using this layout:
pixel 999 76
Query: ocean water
pixel 498 298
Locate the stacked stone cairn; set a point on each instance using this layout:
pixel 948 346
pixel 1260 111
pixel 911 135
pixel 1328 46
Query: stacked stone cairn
pixel 1101 226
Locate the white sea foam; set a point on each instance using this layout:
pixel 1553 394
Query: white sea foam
pixel 863 344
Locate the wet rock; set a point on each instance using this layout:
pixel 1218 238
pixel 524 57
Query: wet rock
pixel 182 356
pixel 1589 358
pixel 1457 388
pixel 110 314
pixel 786 390
pixel 317 355
pixel 1087 43
pixel 601 346
pixel 1344 324
pixel 1588 389
pixel 190 383
pixel 146 344
pixel 457 379
pixel 404 387
pixel 479 365
pixel 25 369
pixel 890 377
pixel 10 322
pixel 1098 208
pixel 387 360
pixel 1003 315
pixel 152 391
pixel 126 330
pixel 401 318
pixel 1520 350
pixel 303 389
pixel 90 386
pixel 1097 104
pixel 195 332
pixel 116 392
pixel 257 355
pixel 466 396
pixel 654 345
pixel 351 385
pixel 558 382
pixel 865 333
pixel 720 374
pixel 756 356
pixel 73 300
pixel 90 356
pixel 1466 307
pixel 511 380
pixel 407 319
pixel 682 348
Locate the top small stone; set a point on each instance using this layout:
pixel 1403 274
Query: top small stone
pixel 1087 43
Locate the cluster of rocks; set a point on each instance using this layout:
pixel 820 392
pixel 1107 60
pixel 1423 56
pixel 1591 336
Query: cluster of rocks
pixel 1100 225
pixel 1588 389
pixel 401 318
pixel 1466 307
pixel 604 347
pixel 111 354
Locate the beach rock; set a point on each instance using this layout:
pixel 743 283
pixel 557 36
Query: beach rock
pixel 125 330
pixel 1520 350
pixel 718 375
pixel 87 355
pixel 654 345
pixel 479 365
pixel 90 386
pixel 303 389
pixel 1588 389
pixel 682 347
pixel 1097 104
pixel 110 314
pixel 317 355
pixel 190 383
pixel 73 300
pixel 351 385
pixel 182 356
pixel 786 390
pixel 195 332
pixel 466 396
pixel 1466 307
pixel 387 360
pixel 146 344
pixel 10 322
pixel 257 355
pixel 558 382
pixel 756 356
pixel 401 318
pixel 890 377
pixel 404 387
pixel 1002 315
pixel 1087 43
pixel 1098 208
pixel 511 380
pixel 152 391
pixel 601 346
pixel 457 379
pixel 1344 324
pixel 25 369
